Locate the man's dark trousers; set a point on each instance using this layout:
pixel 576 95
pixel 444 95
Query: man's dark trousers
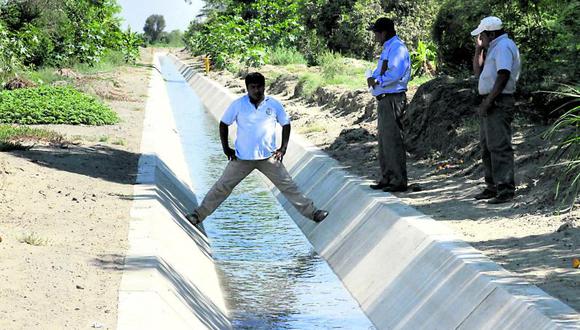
pixel 497 154
pixel 392 154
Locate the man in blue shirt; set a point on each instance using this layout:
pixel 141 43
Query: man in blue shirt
pixel 389 84
pixel 256 116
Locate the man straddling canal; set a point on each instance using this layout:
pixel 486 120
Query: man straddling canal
pixel 256 116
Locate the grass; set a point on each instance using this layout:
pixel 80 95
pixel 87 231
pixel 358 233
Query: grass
pixel 418 81
pixel 310 82
pixel 109 61
pixel 44 76
pixel 119 142
pixel 33 239
pixel 15 137
pixel 285 56
pixel 313 128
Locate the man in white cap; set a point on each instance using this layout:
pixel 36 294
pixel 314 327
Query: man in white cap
pixel 497 64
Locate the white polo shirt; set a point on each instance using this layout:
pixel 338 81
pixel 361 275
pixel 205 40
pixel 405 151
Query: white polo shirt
pixel 256 134
pixel 503 54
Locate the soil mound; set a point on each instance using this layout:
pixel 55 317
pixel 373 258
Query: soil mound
pixel 437 114
pixel 16 83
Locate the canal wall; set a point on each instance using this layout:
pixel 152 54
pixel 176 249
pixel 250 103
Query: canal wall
pixel 406 270
pixel 169 277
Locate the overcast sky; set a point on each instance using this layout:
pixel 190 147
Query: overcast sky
pixel 177 13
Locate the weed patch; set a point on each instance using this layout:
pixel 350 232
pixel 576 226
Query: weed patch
pixel 53 105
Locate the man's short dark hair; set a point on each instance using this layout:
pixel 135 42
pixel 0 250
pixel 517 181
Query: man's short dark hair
pixel 255 78
pixel 383 24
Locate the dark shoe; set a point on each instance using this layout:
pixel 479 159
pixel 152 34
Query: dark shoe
pixel 378 186
pixel 485 194
pixel 193 218
pixel 395 188
pixel 319 215
pixel 501 198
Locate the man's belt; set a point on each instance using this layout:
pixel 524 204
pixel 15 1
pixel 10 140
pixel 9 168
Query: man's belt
pixel 382 96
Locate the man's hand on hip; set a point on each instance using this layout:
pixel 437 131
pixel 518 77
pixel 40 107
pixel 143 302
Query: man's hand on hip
pixel 230 153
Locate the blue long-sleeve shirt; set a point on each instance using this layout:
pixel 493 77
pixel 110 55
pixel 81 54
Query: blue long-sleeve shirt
pixel 398 73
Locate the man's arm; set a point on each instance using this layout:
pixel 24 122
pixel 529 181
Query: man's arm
pixel 230 153
pixel 478 58
pixel 279 154
pixel 503 76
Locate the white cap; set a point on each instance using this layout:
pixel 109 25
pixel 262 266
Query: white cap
pixel 490 23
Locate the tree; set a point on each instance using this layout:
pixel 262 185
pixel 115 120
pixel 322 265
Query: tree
pixel 154 26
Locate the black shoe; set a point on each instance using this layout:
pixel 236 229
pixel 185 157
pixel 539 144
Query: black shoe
pixel 193 218
pixel 378 186
pixel 485 194
pixel 501 198
pixel 319 215
pixel 395 188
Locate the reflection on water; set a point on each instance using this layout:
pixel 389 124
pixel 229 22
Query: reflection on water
pixel 272 277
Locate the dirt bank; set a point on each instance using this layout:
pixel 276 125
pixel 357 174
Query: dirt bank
pixel 64 214
pixel 527 236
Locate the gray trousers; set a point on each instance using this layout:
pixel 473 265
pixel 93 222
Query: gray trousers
pixel 392 154
pixel 497 154
pixel 237 170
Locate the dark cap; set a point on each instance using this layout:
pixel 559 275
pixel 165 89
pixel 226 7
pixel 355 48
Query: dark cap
pixel 382 24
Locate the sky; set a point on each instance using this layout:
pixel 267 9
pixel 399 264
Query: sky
pixel 177 13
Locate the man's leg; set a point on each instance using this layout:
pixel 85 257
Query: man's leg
pixel 499 142
pixel 392 154
pixel 234 172
pixel 485 154
pixel 277 173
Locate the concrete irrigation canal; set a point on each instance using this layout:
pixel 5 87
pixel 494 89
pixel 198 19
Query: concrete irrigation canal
pixel 375 263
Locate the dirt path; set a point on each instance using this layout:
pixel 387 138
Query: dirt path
pixel 64 214
pixel 526 237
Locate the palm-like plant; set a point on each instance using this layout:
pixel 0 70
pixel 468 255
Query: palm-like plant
pixel 566 132
pixel 424 59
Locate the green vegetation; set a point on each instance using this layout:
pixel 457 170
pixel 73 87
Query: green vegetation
pixel 284 56
pixel 13 137
pixel 58 33
pixel 566 134
pixel 33 239
pixel 53 105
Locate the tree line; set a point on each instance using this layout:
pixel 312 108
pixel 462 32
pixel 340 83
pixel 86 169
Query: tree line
pixel 246 30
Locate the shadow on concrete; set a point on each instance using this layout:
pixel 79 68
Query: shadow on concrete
pixel 199 304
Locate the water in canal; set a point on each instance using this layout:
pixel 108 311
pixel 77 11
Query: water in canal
pixel 272 277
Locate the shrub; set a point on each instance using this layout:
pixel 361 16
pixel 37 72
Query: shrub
pixel 53 105
pixel 342 24
pixel 61 32
pixel 413 19
pixel 423 59
pixel 9 59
